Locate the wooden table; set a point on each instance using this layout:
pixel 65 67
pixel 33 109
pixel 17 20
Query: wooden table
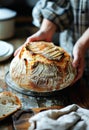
pixel 78 93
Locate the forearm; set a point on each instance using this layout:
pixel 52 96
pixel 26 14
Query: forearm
pixel 48 27
pixel 83 43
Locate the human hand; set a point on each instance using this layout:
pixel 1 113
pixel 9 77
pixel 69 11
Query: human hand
pixel 79 60
pixel 45 33
pixel 79 51
pixel 38 36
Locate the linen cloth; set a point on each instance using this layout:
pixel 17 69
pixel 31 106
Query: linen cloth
pixel 71 117
pixel 71 18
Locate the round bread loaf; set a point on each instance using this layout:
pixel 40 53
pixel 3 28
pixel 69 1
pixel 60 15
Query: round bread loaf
pixel 42 67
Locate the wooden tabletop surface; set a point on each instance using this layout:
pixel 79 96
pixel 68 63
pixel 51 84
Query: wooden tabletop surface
pixel 76 94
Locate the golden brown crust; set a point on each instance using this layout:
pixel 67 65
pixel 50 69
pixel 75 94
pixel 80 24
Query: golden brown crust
pixel 42 67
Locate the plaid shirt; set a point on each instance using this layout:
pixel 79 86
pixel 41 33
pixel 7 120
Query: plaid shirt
pixel 70 16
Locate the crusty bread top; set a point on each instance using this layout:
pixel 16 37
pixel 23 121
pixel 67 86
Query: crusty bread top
pixel 45 52
pixel 9 103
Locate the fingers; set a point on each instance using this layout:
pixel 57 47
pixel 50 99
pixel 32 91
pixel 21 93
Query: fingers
pixel 33 39
pixel 80 69
pixel 36 37
pixel 39 36
pixel 79 75
pixel 75 62
pixel 78 63
pixel 76 55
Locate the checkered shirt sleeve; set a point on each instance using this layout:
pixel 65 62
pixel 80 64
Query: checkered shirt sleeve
pixel 58 11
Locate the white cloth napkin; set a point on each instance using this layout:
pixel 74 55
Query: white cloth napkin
pixel 71 117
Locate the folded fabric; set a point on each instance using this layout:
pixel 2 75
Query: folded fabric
pixel 71 117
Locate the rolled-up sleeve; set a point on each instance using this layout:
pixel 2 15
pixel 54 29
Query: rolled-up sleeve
pixel 59 12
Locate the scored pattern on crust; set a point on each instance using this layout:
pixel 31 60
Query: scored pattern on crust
pixel 48 50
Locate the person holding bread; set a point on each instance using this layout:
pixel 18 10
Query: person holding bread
pixel 70 19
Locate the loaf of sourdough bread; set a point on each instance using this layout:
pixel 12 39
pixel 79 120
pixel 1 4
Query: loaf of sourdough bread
pixel 42 67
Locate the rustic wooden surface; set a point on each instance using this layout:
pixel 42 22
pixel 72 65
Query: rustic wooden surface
pixel 78 93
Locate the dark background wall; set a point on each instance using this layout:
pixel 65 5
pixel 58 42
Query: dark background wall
pixel 23 7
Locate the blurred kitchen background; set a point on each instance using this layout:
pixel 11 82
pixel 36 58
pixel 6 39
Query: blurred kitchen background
pixel 23 19
pixel 24 13
pixel 22 7
pixel 15 30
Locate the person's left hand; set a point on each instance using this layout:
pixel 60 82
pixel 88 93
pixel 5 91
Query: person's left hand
pixel 79 60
